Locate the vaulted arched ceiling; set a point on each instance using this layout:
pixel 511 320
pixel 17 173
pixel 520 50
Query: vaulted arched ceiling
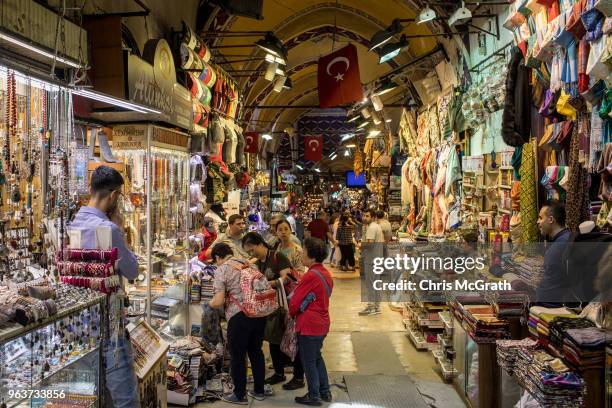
pixel 310 29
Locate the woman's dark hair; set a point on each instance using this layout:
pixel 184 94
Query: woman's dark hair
pixel 344 219
pixel 253 238
pixel 315 249
pixel 283 221
pixel 221 250
pixel 372 212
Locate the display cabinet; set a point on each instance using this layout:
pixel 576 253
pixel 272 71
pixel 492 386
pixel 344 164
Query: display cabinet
pixel 57 362
pixel 156 210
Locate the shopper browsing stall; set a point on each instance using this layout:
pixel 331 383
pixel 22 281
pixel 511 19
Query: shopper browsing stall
pixel 276 267
pixel 288 247
pixel 310 306
pixel 233 236
pixel 372 246
pixel 551 222
pixel 345 237
pixel 102 211
pixel 244 334
pixel 273 239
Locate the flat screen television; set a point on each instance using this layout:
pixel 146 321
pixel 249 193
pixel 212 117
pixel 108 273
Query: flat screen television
pixel 353 181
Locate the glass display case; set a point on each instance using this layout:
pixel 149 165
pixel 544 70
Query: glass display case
pixel 156 209
pixel 54 363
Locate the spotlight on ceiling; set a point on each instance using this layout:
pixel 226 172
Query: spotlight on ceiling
pixel 333 157
pixel 299 167
pixel 271 71
pixel 385 35
pixel 351 145
pixel 347 136
pixel 279 83
pixel 352 118
pixel 363 124
pixel 426 15
pixel 392 50
pixel 347 153
pixel 288 84
pixel 272 45
pixel 388 120
pixel 376 118
pixel 373 132
pixel 461 15
pixel 317 170
pixel 387 86
pixel 376 103
pixel 266 136
pixel 272 58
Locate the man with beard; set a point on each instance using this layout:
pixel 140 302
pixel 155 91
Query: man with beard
pixel 102 210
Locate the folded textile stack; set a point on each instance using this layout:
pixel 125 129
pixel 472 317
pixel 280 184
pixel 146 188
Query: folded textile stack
pixel 540 318
pixel 548 379
pixel 481 322
pixel 510 303
pixel 585 348
pixel 528 269
pixel 179 376
pixel 507 351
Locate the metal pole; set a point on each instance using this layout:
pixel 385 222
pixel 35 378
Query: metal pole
pixel 149 225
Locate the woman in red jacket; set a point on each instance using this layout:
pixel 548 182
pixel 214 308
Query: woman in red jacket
pixel 310 305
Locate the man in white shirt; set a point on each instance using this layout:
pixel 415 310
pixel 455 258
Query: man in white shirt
pixel 372 246
pixel 385 225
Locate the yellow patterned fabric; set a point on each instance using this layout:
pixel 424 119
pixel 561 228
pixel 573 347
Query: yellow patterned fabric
pixel 529 197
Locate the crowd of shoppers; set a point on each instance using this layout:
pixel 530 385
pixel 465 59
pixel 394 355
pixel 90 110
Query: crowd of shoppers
pixel 296 269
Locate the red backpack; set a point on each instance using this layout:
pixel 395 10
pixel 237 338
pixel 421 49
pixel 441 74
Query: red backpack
pixel 258 297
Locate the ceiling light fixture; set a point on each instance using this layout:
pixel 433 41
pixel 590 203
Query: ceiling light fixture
pixel 279 83
pixel 392 50
pixel 299 167
pixel 460 15
pixel 100 97
pixel 376 103
pixel 350 146
pixel 363 124
pixel 373 132
pixel 347 153
pixel 383 36
pixel 39 51
pixel 388 120
pixel 387 86
pixel 266 136
pixel 272 45
pixel 317 170
pixel 352 118
pixel 427 14
pixel 333 157
pixel 280 71
pixel 347 136
pixel 271 71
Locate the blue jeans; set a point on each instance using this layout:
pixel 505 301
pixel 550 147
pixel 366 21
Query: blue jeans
pixel 121 381
pixel 314 365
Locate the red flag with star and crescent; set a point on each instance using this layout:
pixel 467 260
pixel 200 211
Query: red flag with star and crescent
pixel 313 148
pixel 338 78
pixel 251 142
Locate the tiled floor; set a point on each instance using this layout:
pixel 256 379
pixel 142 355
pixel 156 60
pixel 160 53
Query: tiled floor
pixel 368 345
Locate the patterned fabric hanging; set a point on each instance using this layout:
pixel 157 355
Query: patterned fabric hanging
pixel 529 210
pixel 577 207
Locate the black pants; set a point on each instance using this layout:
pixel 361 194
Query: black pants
pixel 348 255
pixel 245 337
pixel 280 360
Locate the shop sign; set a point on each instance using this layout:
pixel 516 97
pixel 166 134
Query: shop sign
pixel 130 137
pixel 152 82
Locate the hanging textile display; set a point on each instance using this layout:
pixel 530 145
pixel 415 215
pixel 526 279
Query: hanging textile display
pixel 529 196
pixel 577 206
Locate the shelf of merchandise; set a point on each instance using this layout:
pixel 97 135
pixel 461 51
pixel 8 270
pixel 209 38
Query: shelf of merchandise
pixel 12 332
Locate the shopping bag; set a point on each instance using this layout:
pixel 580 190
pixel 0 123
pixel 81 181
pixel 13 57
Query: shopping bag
pixel 289 342
pixel 276 322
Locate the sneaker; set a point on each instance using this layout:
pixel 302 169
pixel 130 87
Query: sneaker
pixel 306 400
pixel 326 396
pixel 275 379
pixel 233 399
pixel 369 311
pixel 294 384
pixel 256 395
pixel 268 390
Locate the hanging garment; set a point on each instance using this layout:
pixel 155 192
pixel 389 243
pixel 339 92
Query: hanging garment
pixel 422 139
pixel 406 184
pixel 407 132
pixel 240 143
pixel 529 199
pixel 517 108
pixel 577 206
pixel 453 171
pixel 229 151
pixel 604 167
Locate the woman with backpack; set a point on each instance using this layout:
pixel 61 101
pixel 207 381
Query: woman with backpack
pixel 277 269
pixel 244 334
pixel 310 306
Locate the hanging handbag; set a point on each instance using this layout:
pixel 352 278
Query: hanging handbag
pixel 276 323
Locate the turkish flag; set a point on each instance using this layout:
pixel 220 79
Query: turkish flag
pixel 251 142
pixel 313 148
pixel 338 78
